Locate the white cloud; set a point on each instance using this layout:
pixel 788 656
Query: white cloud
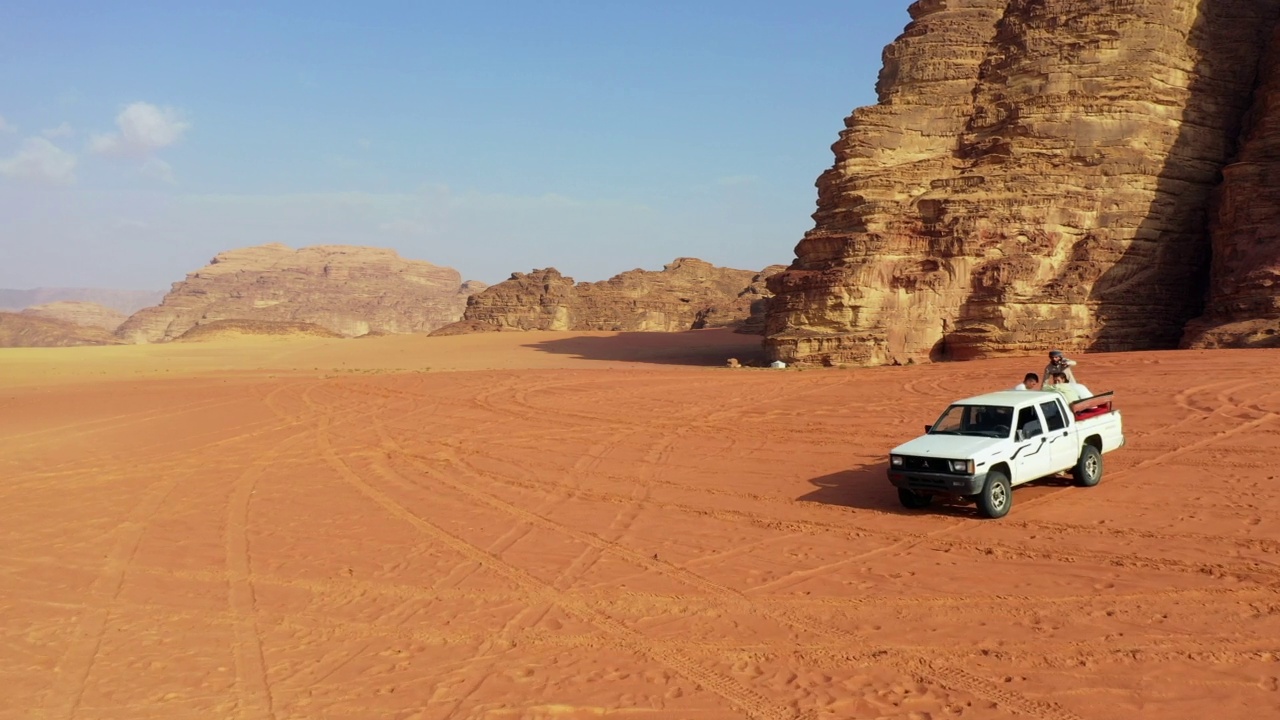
pixel 5 127
pixel 158 169
pixel 38 159
pixel 143 129
pixel 63 130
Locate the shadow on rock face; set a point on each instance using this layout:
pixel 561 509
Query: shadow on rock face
pixel 710 348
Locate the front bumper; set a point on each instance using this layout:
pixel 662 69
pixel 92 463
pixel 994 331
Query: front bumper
pixel 931 482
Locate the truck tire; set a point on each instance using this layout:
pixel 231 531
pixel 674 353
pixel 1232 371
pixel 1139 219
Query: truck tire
pixel 996 497
pixel 1088 469
pixel 913 500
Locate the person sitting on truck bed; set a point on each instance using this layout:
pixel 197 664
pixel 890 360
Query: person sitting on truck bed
pixel 1059 363
pixel 1070 390
pixel 1030 382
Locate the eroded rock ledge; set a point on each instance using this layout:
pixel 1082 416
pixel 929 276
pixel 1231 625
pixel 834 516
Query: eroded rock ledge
pixel 686 294
pixel 348 290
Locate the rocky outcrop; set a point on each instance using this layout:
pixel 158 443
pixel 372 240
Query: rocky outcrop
pixel 1243 308
pixel 79 313
pixel 348 290
pixel 1036 173
pixel 686 294
pixel 231 329
pixel 20 330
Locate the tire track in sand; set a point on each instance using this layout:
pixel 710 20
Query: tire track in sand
pixel 921 669
pixel 750 702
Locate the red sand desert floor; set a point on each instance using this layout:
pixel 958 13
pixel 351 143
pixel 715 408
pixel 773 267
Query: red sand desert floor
pixel 318 531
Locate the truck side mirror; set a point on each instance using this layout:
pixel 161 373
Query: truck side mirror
pixel 928 429
pixel 1018 435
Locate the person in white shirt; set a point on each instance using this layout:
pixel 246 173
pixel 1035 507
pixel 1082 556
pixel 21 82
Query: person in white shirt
pixel 1030 382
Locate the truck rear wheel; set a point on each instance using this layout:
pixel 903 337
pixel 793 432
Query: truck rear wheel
pixel 1088 470
pixel 913 500
pixel 996 497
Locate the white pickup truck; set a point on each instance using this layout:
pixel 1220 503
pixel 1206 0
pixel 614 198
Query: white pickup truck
pixel 984 446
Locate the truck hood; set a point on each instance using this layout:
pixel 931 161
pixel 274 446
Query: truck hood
pixel 952 447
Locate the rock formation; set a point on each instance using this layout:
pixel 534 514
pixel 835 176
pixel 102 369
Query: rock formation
pixel 224 329
pixel 686 294
pixel 21 330
pixel 80 313
pixel 348 290
pixel 1243 308
pixel 1036 173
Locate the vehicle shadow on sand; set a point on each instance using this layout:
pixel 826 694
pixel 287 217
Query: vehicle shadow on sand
pixel 866 487
pixel 692 347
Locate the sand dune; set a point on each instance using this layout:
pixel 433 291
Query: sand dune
pixel 552 525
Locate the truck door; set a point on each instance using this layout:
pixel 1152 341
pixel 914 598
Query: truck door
pixel 1031 458
pixel 1063 448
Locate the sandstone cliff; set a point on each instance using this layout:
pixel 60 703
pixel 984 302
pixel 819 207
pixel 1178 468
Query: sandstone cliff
pixel 348 290
pixel 686 294
pixel 1243 308
pixel 1036 173
pixel 80 313
pixel 19 330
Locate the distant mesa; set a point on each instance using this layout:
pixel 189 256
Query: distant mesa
pixel 123 301
pixel 80 313
pixel 229 329
pixel 30 330
pixel 348 290
pixel 1101 179
pixel 687 294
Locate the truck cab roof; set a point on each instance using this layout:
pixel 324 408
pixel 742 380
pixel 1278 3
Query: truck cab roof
pixel 1009 397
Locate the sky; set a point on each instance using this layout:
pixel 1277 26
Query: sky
pixel 139 139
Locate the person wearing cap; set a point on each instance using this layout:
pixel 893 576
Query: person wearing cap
pixel 1058 363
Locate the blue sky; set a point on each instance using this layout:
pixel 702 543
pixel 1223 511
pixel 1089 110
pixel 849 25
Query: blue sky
pixel 139 139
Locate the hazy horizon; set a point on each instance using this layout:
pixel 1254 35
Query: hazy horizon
pixel 137 142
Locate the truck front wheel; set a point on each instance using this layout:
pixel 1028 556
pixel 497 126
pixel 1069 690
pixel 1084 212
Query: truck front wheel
pixel 1088 470
pixel 996 497
pixel 913 500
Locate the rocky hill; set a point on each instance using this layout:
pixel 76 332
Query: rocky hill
pixel 19 330
pixel 124 301
pixel 686 294
pixel 80 313
pixel 230 329
pixel 348 290
pixel 1040 174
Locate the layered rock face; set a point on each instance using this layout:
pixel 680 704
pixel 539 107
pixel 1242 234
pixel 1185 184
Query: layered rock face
pixel 79 313
pixel 1243 308
pixel 1036 173
pixel 686 294
pixel 348 290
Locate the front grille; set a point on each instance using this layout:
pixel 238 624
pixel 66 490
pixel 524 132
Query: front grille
pixel 920 464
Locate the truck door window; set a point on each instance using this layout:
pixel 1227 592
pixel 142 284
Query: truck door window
pixel 1029 423
pixel 1053 416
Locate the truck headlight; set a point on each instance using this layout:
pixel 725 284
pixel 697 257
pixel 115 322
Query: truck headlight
pixel 895 460
pixel 962 466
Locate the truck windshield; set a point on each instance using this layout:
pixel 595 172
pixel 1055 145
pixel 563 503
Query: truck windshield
pixel 977 420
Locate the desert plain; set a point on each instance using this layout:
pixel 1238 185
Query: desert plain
pixel 556 525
